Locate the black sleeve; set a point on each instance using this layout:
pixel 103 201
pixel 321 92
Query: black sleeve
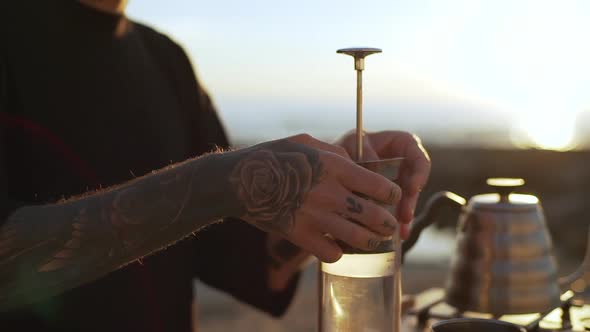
pixel 230 256
pixel 7 206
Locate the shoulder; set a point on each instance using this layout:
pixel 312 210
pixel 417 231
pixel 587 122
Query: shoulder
pixel 160 43
pixel 169 55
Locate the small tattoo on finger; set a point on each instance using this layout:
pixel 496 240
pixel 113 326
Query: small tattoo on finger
pixel 353 206
pixel 373 243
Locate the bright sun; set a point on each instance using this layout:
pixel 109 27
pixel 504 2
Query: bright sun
pixel 550 132
pixel 547 64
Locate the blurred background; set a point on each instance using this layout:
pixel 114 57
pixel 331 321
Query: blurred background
pixel 494 88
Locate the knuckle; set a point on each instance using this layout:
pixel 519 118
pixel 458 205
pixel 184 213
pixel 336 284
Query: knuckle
pixel 320 198
pixel 341 151
pixel 302 138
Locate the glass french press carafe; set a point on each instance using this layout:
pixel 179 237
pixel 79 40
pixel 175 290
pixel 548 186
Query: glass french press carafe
pixel 362 290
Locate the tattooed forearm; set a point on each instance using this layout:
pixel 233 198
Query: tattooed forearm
pixel 45 250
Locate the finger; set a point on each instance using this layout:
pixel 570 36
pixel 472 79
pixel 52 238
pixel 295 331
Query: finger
pixel 348 142
pixel 358 179
pixel 417 164
pixel 411 182
pixel 389 144
pixel 415 169
pixel 407 208
pixel 404 231
pixel 315 143
pixel 367 213
pixel 314 242
pixel 341 201
pixel 369 152
pixel 349 232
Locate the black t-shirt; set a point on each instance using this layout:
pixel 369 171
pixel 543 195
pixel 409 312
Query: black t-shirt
pixel 88 100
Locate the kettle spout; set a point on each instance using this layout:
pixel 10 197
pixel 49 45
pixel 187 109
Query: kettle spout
pixel 430 214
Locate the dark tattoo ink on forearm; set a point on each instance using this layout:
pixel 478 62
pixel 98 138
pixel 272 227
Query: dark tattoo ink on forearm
pixel 45 250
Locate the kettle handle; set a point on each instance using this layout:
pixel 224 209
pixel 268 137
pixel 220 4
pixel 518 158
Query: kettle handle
pixel 428 216
pixel 565 282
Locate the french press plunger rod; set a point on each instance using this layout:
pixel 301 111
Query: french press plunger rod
pixel 359 55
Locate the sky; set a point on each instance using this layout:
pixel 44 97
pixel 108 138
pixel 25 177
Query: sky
pixel 473 72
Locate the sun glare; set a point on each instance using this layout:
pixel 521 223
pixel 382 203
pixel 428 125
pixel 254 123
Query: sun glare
pixel 549 132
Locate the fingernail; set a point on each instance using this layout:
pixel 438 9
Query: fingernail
pixel 395 195
pixel 390 225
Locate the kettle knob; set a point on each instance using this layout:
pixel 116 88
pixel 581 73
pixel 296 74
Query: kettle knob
pixel 505 186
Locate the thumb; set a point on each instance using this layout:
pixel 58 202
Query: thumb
pixel 369 152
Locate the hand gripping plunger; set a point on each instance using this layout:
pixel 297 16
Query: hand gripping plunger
pixel 359 55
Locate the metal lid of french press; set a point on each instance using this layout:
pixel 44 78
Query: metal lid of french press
pixel 504 199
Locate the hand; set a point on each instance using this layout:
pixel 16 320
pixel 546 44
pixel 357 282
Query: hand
pixel 303 189
pixel 414 171
pixel 285 261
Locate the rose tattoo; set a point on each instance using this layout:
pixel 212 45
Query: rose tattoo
pixel 272 186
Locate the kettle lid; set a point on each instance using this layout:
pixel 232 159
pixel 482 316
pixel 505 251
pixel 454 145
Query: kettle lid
pixel 504 198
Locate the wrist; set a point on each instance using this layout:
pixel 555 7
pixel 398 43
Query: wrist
pixel 212 187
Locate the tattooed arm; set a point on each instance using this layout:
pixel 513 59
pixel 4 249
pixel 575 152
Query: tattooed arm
pixel 289 186
pixel 45 250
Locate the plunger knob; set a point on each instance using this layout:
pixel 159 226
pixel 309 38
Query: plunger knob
pixel 359 54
